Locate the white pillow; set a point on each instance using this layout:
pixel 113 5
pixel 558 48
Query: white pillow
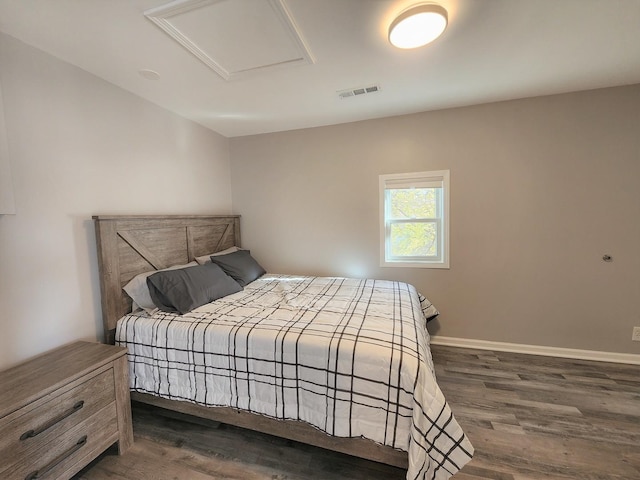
pixel 139 292
pixel 207 258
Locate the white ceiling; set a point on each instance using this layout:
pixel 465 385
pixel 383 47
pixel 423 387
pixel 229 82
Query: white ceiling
pixel 492 50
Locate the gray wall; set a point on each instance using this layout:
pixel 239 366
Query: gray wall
pixel 79 146
pixel 541 189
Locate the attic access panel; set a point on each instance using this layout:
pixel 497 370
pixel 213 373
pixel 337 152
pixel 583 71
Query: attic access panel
pixel 234 38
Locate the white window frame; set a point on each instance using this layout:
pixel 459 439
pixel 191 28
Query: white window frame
pixel 412 180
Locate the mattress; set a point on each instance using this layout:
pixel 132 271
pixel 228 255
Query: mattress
pixel 348 356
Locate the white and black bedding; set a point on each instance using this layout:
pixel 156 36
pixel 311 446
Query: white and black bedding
pixel 348 356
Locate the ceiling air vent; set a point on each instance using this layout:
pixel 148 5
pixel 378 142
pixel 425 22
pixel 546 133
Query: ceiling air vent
pixel 354 92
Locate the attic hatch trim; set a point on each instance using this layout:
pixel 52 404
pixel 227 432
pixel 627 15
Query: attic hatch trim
pixel 166 16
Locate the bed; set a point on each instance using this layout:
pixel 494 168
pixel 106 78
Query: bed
pixel 339 363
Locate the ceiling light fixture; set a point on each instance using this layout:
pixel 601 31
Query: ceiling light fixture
pixel 418 25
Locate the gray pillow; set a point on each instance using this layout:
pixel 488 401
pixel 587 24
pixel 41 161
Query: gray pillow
pixel 138 290
pixel 188 288
pixel 240 265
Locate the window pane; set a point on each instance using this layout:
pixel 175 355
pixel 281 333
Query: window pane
pixel 413 240
pixel 413 202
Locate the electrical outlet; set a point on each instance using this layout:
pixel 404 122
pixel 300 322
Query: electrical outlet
pixel 635 336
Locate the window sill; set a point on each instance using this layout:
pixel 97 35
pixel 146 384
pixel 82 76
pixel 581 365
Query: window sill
pixel 441 265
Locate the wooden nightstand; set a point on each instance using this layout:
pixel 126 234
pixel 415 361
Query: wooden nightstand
pixel 62 409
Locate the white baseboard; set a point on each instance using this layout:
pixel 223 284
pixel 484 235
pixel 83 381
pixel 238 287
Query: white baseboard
pixel 538 350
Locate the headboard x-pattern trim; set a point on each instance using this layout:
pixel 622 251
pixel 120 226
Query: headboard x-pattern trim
pixel 129 245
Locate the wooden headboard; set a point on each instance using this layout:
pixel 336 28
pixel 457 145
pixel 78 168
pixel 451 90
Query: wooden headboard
pixel 129 245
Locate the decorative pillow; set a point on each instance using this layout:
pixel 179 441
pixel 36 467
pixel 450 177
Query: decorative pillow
pixel 139 292
pixel 207 258
pixel 188 288
pixel 240 265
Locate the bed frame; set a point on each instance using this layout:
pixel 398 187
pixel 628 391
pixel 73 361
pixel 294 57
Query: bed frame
pixel 129 245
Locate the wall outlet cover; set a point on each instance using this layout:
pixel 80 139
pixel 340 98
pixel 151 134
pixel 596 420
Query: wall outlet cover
pixel 636 334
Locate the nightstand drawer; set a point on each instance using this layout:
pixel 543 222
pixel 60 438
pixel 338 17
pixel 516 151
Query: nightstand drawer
pixel 72 447
pixel 28 429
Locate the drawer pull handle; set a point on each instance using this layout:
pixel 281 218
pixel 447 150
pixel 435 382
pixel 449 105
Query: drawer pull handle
pixel 51 465
pixel 32 433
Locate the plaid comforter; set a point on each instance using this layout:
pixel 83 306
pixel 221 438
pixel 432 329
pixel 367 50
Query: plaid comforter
pixel 349 356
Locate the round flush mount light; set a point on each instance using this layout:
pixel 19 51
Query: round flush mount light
pixel 418 25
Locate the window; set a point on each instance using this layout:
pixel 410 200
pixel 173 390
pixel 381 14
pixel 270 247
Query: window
pixel 414 225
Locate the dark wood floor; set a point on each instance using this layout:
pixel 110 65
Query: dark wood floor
pixel 529 418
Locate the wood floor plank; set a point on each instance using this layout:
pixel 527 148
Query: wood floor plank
pixel 573 428
pixel 146 464
pixel 555 455
pixel 528 417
